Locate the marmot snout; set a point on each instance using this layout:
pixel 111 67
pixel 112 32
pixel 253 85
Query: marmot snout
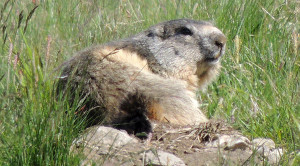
pixel 152 75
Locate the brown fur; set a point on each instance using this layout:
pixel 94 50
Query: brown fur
pixel 155 112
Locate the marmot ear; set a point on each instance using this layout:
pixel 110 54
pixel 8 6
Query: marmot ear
pixel 159 31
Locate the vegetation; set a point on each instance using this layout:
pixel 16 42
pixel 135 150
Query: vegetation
pixel 258 90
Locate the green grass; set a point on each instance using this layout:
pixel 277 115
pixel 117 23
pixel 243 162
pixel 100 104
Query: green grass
pixel 258 90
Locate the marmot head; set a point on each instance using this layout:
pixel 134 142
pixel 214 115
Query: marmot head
pixel 182 45
pixel 198 39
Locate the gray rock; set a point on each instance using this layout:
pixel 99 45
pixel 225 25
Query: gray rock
pixel 275 155
pixel 107 136
pixel 161 158
pixel 230 142
pixel 108 146
pixel 266 148
pixel 215 156
pixel 99 142
pixel 263 143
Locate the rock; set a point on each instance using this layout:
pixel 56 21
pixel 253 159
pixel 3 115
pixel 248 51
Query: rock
pixel 267 149
pixel 214 156
pixel 161 158
pixel 230 142
pixel 106 140
pixel 122 149
pixel 263 143
pixel 107 136
pixel 275 155
pixel 108 146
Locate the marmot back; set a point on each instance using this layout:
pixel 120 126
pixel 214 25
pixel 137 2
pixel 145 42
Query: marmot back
pixel 153 75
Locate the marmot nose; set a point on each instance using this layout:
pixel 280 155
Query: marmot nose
pixel 219 40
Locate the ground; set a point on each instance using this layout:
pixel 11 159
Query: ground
pixel 190 145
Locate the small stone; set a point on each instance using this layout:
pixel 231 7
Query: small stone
pixel 263 142
pixel 266 148
pixel 238 142
pixel 161 158
pixel 275 155
pixel 230 142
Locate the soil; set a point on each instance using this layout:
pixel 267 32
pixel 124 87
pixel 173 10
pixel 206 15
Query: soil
pixel 189 143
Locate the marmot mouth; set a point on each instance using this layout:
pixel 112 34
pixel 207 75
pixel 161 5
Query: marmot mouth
pixel 213 59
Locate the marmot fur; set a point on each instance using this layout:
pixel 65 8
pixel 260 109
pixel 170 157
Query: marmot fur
pixel 153 75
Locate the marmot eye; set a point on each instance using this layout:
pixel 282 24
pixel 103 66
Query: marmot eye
pixel 183 31
pixel 150 34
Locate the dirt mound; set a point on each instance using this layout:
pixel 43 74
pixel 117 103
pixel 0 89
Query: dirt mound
pixel 213 143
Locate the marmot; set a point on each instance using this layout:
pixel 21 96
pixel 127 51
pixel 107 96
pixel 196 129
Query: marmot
pixel 153 75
